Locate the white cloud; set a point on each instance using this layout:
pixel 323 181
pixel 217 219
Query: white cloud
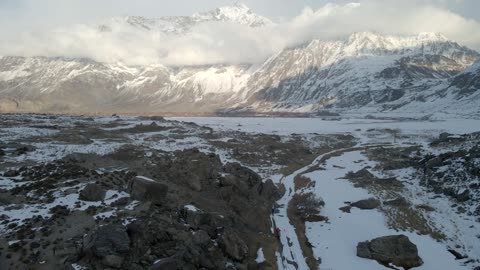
pixel 228 43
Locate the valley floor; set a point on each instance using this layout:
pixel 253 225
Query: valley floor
pixel 64 178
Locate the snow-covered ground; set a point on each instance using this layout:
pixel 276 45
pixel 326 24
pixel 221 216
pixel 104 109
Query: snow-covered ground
pixel 287 126
pixel 335 242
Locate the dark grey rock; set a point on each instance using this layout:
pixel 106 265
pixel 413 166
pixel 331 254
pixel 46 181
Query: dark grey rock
pixel 268 190
pixel 244 173
pixel 201 238
pixel 11 173
pixel 143 189
pixel 112 261
pixel 463 196
pixel 108 240
pixel 92 192
pixel 367 204
pixel 233 246
pixel 434 162
pixel 165 264
pixel 394 249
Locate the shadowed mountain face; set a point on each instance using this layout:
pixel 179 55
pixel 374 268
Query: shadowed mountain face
pixel 365 71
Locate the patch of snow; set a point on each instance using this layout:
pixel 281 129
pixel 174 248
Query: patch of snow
pixel 260 256
pixel 191 208
pixel 145 178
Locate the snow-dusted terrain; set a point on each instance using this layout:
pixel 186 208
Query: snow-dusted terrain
pixel 334 242
pixel 48 164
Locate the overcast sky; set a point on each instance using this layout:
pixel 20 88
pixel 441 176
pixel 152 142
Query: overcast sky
pixel 61 27
pixel 27 14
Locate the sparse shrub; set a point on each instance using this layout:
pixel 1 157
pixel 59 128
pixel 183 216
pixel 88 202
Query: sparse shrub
pixel 307 205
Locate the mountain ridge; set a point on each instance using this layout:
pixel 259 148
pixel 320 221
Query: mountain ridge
pixel 364 71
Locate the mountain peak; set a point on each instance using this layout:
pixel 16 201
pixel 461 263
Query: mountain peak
pixel 432 36
pixel 236 13
pixel 240 5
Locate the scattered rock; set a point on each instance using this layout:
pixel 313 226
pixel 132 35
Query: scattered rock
pixel 346 209
pixel 463 196
pixel 458 255
pixel 367 204
pixel 394 249
pixel 92 193
pixel 11 173
pixel 145 189
pixel 120 202
pixel 434 162
pixel 24 149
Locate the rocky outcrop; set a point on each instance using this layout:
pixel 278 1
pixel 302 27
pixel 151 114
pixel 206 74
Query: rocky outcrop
pixel 145 189
pixel 395 249
pixel 247 175
pixel 268 190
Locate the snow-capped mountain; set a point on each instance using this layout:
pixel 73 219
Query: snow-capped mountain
pixel 236 14
pixel 364 71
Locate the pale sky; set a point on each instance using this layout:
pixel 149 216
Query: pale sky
pixel 28 14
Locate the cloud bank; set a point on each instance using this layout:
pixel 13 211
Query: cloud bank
pixel 217 42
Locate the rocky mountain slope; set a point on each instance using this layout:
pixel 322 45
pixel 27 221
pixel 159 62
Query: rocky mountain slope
pixel 365 71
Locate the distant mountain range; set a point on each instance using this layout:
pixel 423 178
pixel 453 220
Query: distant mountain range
pixel 367 72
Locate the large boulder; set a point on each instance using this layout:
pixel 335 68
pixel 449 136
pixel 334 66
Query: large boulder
pixel 92 192
pixel 394 249
pixel 109 243
pixel 202 239
pixel 145 189
pixel 367 204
